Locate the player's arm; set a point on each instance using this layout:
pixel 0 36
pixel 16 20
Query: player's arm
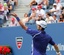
pixel 55 46
pixel 20 22
pixel 57 49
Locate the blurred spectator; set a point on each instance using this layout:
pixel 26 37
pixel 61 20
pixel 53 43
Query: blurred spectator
pixel 45 4
pixel 9 6
pixel 25 19
pixel 40 11
pixel 61 19
pixel 38 1
pixel 12 2
pixel 13 23
pixel 33 14
pixel 33 3
pixel 5 12
pixel 15 2
pixel 55 10
pixel 1 14
pixel 6 1
pixel 1 7
pixel 63 10
pixel 55 19
pixel 58 4
pixel 40 18
pixel 49 19
pixel 28 20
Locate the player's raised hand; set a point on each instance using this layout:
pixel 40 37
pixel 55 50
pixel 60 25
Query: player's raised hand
pixel 14 14
pixel 59 53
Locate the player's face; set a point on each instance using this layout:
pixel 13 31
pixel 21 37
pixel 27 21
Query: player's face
pixel 39 27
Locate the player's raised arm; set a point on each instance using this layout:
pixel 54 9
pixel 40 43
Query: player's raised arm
pixel 20 22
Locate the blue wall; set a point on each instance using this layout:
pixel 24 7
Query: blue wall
pixel 8 37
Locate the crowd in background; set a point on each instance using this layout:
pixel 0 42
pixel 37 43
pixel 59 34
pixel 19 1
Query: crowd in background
pixel 5 9
pixel 42 11
pixel 39 10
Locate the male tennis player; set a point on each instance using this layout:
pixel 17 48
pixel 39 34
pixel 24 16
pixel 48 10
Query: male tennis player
pixel 40 38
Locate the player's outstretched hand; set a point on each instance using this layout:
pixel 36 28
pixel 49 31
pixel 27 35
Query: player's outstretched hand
pixel 14 14
pixel 59 54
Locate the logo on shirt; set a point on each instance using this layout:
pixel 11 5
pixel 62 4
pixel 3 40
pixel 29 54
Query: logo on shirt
pixel 19 41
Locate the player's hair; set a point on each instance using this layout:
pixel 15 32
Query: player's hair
pixel 42 29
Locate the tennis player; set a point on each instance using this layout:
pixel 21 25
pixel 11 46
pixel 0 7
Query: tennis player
pixel 40 38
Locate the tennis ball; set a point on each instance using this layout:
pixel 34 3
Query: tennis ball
pixel 5 4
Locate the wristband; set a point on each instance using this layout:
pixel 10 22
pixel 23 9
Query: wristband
pixel 58 53
pixel 18 19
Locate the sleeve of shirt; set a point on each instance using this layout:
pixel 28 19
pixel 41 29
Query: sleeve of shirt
pixel 31 32
pixel 51 41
